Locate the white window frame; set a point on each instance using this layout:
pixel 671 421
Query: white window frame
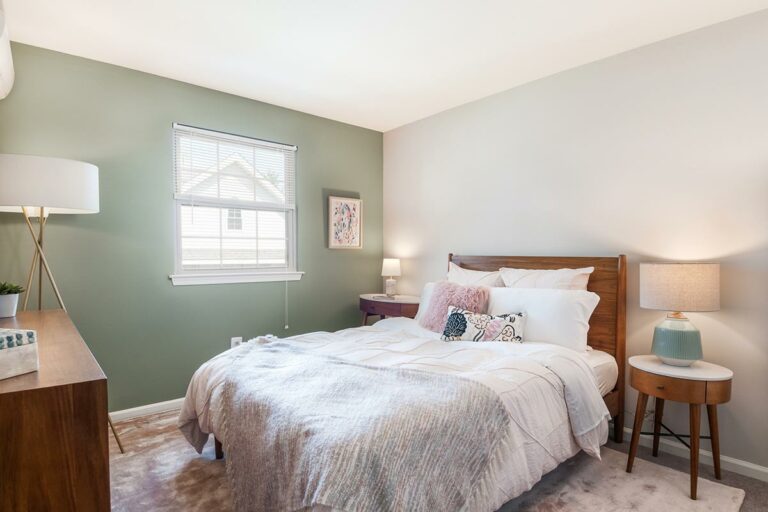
pixel 183 276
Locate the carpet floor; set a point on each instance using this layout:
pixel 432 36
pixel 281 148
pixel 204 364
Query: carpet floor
pixel 161 472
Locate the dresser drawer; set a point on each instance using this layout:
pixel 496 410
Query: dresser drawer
pixel 669 388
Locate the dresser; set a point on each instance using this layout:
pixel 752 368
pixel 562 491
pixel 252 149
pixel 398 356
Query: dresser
pixel 54 452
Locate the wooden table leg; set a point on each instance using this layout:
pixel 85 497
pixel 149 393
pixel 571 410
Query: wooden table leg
pixel 642 401
pixel 714 433
pixel 658 412
pixel 365 318
pixel 695 428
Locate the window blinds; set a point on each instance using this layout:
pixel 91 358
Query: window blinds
pixel 236 202
pixel 219 169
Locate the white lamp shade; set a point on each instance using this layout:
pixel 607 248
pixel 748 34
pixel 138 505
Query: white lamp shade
pixel 6 62
pixel 683 287
pixel 59 185
pixel 390 267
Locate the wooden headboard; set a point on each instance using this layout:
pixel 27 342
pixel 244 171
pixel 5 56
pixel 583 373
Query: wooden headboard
pixel 608 325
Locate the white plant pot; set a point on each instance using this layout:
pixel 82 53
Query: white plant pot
pixel 8 305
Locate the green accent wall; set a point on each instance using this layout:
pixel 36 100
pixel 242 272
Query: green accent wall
pixel 112 267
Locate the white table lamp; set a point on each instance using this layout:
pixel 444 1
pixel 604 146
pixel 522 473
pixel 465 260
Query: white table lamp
pixel 678 288
pixel 390 268
pixel 38 186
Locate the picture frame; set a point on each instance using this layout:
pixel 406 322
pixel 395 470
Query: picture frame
pixel 345 223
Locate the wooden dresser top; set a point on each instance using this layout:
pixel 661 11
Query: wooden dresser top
pixel 64 356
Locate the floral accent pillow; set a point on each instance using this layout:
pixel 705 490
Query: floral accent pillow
pixel 463 325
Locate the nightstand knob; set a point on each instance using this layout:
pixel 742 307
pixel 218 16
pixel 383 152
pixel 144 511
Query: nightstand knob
pixel 659 387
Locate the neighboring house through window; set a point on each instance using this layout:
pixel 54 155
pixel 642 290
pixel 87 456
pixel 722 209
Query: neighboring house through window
pixel 235 208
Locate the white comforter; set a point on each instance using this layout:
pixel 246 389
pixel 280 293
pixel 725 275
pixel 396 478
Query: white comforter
pixel 549 391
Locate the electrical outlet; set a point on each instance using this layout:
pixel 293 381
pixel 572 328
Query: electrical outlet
pixel 235 341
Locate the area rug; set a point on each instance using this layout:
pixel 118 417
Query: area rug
pixel 161 472
pixel 583 483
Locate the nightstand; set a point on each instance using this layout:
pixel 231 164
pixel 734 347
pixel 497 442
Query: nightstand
pixel 378 304
pixel 700 384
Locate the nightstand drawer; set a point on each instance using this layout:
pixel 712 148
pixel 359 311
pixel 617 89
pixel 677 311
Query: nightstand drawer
pixel 669 388
pixel 380 307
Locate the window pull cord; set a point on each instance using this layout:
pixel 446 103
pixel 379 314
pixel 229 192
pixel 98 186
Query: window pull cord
pixel 286 327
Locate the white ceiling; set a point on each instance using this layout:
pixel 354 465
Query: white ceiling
pixel 377 64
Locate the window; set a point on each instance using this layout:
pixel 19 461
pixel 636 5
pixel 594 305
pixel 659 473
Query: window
pixel 235 208
pixel 234 219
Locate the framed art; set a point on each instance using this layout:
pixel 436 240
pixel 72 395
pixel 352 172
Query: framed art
pixel 345 223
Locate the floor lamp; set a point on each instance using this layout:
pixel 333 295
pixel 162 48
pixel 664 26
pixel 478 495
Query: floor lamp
pixel 38 186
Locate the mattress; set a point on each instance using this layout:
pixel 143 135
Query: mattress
pixel 605 369
pixel 603 364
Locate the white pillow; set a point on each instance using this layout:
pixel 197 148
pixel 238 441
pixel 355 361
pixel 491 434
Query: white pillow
pixel 465 277
pixel 426 296
pixel 562 278
pixel 560 317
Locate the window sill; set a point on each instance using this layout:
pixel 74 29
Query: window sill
pixel 255 277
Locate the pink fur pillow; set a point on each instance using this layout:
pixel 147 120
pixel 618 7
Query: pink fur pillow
pixel 445 295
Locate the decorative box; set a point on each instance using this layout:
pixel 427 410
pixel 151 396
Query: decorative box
pixel 18 352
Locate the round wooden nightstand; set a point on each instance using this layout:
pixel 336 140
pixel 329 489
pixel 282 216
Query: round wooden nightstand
pixel 698 384
pixel 378 304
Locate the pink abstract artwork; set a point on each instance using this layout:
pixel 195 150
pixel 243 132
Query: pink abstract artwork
pixel 345 223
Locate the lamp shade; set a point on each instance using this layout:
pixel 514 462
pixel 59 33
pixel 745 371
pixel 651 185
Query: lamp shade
pixel 6 62
pixel 59 185
pixel 683 287
pixel 390 267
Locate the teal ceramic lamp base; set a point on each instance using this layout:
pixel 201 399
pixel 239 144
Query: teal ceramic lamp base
pixel 677 341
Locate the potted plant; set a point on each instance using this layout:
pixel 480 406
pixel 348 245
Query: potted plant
pixel 9 299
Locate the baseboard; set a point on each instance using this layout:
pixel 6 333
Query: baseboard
pixel 145 410
pixel 737 466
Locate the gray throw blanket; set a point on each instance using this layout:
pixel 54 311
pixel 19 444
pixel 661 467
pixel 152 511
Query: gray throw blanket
pixel 303 429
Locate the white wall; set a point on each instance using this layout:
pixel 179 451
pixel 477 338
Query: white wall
pixel 659 153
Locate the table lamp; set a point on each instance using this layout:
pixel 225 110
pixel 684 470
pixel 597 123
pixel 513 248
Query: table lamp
pixel 678 288
pixel 390 268
pixel 38 186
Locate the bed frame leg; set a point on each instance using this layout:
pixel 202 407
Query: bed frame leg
pixel 618 427
pixel 219 449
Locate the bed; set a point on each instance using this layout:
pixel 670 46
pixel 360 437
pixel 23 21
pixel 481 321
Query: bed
pixel 545 391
